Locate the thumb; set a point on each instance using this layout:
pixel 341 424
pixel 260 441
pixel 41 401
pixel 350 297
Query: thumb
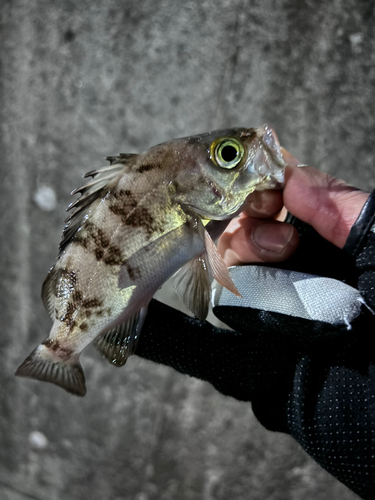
pixel 328 204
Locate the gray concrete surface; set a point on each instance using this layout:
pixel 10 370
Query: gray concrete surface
pixel 82 80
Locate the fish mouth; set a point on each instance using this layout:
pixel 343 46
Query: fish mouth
pixel 217 217
pixel 267 131
pixel 269 163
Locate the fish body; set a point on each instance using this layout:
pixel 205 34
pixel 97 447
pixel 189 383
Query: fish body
pixel 140 220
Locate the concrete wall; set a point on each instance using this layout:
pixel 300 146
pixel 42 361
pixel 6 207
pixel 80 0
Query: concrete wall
pixel 82 80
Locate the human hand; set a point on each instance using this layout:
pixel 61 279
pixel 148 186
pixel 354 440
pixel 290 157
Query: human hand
pixel 288 366
pixel 329 205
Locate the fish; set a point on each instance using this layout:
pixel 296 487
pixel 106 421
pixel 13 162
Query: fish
pixel 140 220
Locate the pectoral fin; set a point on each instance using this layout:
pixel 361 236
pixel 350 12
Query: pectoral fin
pixel 193 285
pixel 218 267
pixel 120 342
pixel 192 282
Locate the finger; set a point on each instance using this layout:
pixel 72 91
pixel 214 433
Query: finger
pixel 329 205
pixel 264 203
pixel 255 240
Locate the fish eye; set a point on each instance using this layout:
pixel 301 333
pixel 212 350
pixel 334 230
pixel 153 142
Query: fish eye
pixel 227 153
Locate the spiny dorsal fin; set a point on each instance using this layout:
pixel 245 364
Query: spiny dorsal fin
pixel 122 158
pixel 91 193
pixel 120 342
pixel 192 284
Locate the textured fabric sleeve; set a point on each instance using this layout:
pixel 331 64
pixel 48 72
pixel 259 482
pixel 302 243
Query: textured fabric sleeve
pixel 330 405
pixel 319 386
pixel 197 349
pixel 304 378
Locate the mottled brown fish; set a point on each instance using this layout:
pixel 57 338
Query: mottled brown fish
pixel 141 219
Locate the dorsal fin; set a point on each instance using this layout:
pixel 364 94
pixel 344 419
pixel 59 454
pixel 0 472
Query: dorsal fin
pixel 49 292
pixel 122 158
pixel 104 179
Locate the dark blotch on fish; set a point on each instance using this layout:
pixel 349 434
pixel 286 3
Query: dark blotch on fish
pixel 101 312
pixel 134 272
pixel 147 168
pixel 141 217
pixel 100 238
pixel 120 209
pixel 99 253
pixel 83 242
pixel 55 346
pixel 125 197
pixel 113 256
pixel 77 296
pixel 179 188
pixel 68 316
pixel 102 250
pixel 91 303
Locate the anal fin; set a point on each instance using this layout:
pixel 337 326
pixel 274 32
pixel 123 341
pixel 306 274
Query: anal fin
pixel 41 365
pixel 118 344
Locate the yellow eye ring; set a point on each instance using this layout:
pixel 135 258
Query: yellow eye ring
pixel 227 153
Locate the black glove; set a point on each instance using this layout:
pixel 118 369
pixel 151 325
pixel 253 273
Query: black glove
pixel 311 378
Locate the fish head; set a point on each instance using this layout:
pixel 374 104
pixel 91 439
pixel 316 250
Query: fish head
pixel 221 169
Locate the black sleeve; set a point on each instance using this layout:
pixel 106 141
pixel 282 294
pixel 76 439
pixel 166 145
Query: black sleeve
pixel 311 379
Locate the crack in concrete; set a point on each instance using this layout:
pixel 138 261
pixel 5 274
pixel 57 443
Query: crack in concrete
pixel 229 66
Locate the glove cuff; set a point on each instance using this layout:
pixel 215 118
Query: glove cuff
pixel 361 227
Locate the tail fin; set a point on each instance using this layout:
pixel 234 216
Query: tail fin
pixel 40 365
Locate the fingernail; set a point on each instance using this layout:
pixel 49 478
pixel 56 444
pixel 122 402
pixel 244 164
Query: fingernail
pixel 272 237
pixel 257 205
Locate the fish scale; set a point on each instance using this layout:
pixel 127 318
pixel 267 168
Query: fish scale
pixel 138 221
